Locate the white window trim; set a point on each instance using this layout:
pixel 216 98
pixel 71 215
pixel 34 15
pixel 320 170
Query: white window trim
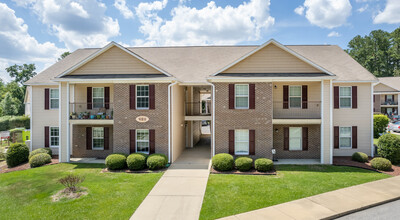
pixel 142 141
pixel 50 136
pixel 54 98
pixel 301 139
pixel 148 97
pixel 351 138
pixel 351 97
pixel 301 95
pixel 248 96
pixel 97 138
pixel 248 142
pixel 97 97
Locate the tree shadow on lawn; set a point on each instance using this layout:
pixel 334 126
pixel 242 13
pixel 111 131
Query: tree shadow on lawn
pixel 322 169
pixel 88 165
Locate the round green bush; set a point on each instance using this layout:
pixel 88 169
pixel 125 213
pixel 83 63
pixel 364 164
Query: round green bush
pixel 40 159
pixel 41 150
pixel 389 147
pixel 360 157
pixel 157 161
pixel 243 163
pixel 263 164
pixel 116 161
pixel 380 163
pixel 136 161
pixel 380 124
pixel 222 162
pixel 17 154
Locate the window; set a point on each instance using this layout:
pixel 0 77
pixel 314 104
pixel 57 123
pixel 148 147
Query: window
pixel 389 98
pixel 98 97
pixel 242 96
pixel 54 98
pixel 98 138
pixel 345 97
pixel 295 139
pixel 142 141
pixel 54 137
pixel 142 97
pixel 241 142
pixel 345 137
pixel 295 96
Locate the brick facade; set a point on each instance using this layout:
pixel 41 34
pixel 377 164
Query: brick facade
pixel 259 119
pixel 79 142
pixel 314 143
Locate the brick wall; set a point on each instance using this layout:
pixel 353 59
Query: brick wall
pixel 314 143
pixel 259 119
pixel 79 143
pixel 125 118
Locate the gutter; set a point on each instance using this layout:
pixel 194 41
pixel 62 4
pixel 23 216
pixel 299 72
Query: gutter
pixel 213 118
pixel 169 120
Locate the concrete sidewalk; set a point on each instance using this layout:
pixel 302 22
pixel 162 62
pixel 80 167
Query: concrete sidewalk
pixel 180 191
pixel 331 204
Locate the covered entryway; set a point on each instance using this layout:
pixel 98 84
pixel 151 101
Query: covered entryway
pixel 197 157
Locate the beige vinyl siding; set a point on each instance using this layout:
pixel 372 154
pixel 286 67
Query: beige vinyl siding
pixel 272 59
pixel 314 90
pixel 383 88
pixel 115 61
pixel 327 128
pixel 178 121
pixel 42 117
pixel 360 117
pixel 81 96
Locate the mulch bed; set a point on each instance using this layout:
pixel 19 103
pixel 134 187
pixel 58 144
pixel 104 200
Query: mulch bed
pixel 25 166
pixel 250 172
pixel 346 161
pixel 106 170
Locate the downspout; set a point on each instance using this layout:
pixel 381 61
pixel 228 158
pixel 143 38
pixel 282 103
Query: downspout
pixel 213 118
pixel 169 120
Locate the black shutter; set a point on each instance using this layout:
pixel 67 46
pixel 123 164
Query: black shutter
pixel 132 141
pixel 152 139
pixel 231 96
pixel 152 102
pixel 46 136
pixel 46 99
pixel 252 96
pixel 89 98
pixel 285 97
pixel 107 97
pixel 232 142
pixel 252 142
pixel 304 98
pixel 88 138
pixel 106 138
pixel 132 97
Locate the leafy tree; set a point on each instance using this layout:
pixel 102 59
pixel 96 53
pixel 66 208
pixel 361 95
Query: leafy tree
pixel 22 73
pixel 65 54
pixel 10 105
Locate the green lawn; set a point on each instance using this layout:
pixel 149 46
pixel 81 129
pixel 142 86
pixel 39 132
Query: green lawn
pixel 232 194
pixel 27 194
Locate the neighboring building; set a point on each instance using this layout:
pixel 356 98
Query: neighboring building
pixel 386 96
pixel 304 101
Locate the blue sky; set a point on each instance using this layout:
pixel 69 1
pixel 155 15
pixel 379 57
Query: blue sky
pixel 38 31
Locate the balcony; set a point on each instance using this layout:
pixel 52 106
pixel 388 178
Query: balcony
pixel 80 113
pixel 198 110
pixel 312 114
pixel 389 103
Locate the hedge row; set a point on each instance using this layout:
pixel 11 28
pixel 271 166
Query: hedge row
pixel 11 122
pixel 136 161
pixel 225 162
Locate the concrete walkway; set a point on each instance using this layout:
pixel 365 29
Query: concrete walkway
pixel 180 191
pixel 331 204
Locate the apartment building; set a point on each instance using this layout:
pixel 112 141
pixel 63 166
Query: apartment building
pixel 386 96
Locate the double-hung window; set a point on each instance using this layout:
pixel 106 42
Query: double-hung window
pixel 98 138
pixel 98 97
pixel 389 99
pixel 295 138
pixel 345 137
pixel 54 137
pixel 142 141
pixel 241 142
pixel 54 98
pixel 345 96
pixel 295 96
pixel 142 97
pixel 241 96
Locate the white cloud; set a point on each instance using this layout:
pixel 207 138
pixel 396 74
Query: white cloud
pixel 123 9
pixel 391 13
pixel 334 34
pixel 326 13
pixel 362 9
pixel 209 25
pixel 299 10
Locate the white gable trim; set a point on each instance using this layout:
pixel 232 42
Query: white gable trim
pixel 104 49
pixel 387 86
pixel 276 43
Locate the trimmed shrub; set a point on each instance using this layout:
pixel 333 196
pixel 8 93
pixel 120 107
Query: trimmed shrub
pixel 263 164
pixel 380 163
pixel 243 163
pixel 156 161
pixel 41 150
pixel 380 124
pixel 360 157
pixel 39 159
pixel 116 161
pixel 389 147
pixel 222 162
pixel 17 154
pixel 136 161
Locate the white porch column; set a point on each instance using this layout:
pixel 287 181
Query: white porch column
pixel 63 121
pixel 326 122
pixel 322 122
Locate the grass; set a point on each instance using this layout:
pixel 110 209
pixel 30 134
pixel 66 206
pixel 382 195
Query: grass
pixel 27 194
pixel 232 194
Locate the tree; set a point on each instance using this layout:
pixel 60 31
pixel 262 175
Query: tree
pixel 10 105
pixel 17 93
pixel 65 54
pixel 21 73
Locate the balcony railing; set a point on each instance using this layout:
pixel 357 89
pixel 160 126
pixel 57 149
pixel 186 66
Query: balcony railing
pixel 313 111
pixel 198 108
pixel 91 111
pixel 389 103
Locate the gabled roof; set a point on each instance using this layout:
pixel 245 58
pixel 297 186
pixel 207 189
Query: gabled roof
pixel 392 82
